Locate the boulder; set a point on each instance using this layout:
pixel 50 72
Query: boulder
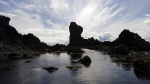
pixel 85 60
pixel 25 56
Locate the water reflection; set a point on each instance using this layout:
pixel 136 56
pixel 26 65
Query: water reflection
pixel 101 70
pixel 74 58
pixel 143 75
pixel 121 63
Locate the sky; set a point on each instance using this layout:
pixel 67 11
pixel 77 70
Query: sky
pixel 49 20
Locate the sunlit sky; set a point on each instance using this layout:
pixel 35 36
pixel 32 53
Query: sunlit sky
pixel 102 19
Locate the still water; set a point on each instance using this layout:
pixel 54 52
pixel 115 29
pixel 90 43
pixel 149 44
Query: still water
pixel 101 71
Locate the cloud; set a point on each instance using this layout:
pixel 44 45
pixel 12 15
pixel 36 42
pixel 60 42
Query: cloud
pixel 4 3
pixel 105 37
pixel 148 15
pixel 101 19
pixel 147 22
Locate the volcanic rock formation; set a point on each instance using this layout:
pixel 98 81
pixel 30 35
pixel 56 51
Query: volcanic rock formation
pixel 75 34
pixel 11 40
pixel 133 41
pixel 76 39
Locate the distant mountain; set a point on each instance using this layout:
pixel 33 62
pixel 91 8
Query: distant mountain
pixel 11 40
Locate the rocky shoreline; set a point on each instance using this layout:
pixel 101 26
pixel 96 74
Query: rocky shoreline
pixel 128 48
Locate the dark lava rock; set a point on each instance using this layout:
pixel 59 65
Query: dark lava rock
pixel 25 56
pixel 75 34
pixel 142 64
pixel 76 39
pixel 9 37
pixel 119 49
pixel 51 69
pixel 13 56
pixel 4 21
pixel 31 41
pixel 142 68
pixel 133 41
pixel 11 40
pixel 74 50
pixel 85 60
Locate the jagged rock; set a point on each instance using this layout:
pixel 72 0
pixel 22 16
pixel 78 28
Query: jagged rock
pixel 77 40
pixel 31 41
pixel 9 35
pixel 133 41
pixel 85 60
pixel 75 34
pixel 4 21
pixel 11 40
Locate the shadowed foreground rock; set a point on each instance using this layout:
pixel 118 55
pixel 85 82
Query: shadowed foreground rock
pixel 11 40
pixel 13 56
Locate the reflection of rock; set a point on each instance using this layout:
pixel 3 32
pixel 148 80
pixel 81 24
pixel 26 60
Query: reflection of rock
pixel 86 60
pixel 142 64
pixel 51 69
pixel 75 56
pixel 142 74
pixel 74 67
pixel 8 68
pixel 73 50
pixel 142 68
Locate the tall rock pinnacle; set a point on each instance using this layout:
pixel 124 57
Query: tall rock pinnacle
pixel 75 34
